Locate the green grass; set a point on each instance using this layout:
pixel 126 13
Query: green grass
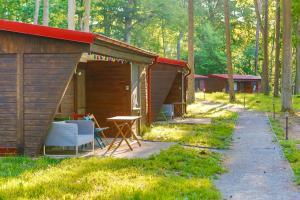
pixel 258 102
pixel 176 173
pixel 290 150
pixel 218 134
pixel 14 166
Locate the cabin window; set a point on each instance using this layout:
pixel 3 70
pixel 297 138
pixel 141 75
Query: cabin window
pixel 235 86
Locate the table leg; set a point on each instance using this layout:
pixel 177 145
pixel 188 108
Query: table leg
pixel 121 131
pixel 116 137
pixel 132 133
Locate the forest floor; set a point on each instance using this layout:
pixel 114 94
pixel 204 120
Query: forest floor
pixel 256 165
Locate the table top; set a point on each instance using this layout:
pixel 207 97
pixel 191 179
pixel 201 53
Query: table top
pixel 179 103
pixel 124 118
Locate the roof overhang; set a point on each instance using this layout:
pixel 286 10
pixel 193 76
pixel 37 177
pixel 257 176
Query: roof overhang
pixel 99 44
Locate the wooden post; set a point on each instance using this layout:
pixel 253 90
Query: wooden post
pixel 273 109
pixel 286 125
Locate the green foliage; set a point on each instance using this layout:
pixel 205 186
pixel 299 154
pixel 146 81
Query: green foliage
pixel 176 173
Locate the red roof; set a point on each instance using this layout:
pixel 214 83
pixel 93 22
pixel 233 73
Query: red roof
pixel 235 77
pixel 45 31
pixel 64 34
pixel 200 76
pixel 169 61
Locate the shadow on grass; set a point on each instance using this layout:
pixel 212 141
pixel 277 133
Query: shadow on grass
pixel 176 173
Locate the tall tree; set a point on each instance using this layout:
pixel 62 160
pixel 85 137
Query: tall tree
pixel 86 15
pixel 191 57
pixel 128 21
pixel 228 52
pixel 257 39
pixel 277 50
pixel 36 12
pixel 46 13
pixel 71 14
pixel 265 32
pixel 297 83
pixel 287 57
pixel 180 36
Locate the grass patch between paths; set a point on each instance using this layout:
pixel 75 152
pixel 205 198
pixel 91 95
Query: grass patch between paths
pixel 176 173
pixel 259 102
pixel 218 134
pixel 289 148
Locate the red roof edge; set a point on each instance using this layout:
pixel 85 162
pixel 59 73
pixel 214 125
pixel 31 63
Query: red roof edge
pixel 235 76
pixel 45 31
pixel 169 61
pixel 200 76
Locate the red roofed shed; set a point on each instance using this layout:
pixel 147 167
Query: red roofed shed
pixel 167 85
pixel 47 72
pixel 242 83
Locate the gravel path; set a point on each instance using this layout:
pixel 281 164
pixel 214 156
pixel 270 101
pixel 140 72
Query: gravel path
pixel 256 168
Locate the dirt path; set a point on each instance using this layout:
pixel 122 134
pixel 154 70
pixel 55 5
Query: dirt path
pixel 256 168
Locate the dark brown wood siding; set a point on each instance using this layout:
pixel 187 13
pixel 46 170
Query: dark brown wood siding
pixel 8 100
pixel 45 79
pixel 108 91
pixel 162 78
pixel 215 85
pixel 175 95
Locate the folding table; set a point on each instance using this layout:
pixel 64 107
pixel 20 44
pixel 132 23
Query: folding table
pixel 124 127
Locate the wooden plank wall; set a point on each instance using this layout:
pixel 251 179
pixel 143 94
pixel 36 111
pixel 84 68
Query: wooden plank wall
pixel 215 85
pixel 175 94
pixel 162 78
pixel 8 100
pixel 108 91
pixel 45 79
pixel 67 106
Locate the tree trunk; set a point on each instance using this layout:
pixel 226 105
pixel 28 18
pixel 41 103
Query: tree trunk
pixel 86 15
pixel 46 13
pixel 71 14
pixel 258 28
pixel 163 35
pixel 257 4
pixel 256 46
pixel 287 57
pixel 106 23
pixel 191 57
pixel 277 50
pixel 128 22
pixel 297 83
pixel 36 12
pixel 265 69
pixel 179 45
pixel 228 52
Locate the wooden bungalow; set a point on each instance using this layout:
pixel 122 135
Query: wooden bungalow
pixel 242 83
pixel 167 85
pixel 200 82
pixel 44 75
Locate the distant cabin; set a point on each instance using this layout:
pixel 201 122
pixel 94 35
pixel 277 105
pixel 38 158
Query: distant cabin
pixel 242 83
pixel 200 82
